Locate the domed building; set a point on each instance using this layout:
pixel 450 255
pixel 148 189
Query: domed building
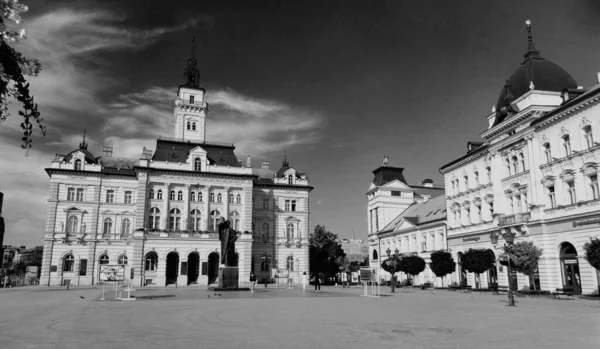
pixel 154 219
pixel 531 178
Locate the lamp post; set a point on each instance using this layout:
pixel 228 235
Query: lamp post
pixel 509 237
pixel 265 262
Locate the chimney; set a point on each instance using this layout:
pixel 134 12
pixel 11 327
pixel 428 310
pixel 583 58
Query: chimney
pixel 266 165
pixel 427 183
pixel 248 161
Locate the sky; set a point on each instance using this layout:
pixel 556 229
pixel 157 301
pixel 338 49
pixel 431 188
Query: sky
pixel 336 84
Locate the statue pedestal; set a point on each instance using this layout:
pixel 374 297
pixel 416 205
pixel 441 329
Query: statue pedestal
pixel 228 280
pixel 228 277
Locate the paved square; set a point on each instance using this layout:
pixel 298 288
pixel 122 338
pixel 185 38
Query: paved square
pixel 282 318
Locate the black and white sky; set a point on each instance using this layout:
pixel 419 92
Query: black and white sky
pixel 338 84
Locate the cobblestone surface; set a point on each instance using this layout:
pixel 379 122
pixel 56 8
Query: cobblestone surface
pixel 283 318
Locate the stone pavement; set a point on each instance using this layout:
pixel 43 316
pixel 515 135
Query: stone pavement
pixel 34 317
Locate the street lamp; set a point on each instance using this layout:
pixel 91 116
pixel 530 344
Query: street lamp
pixel 509 238
pixel 265 262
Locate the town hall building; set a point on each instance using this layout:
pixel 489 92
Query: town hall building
pixel 157 215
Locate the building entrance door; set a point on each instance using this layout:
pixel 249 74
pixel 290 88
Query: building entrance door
pixel 570 268
pixel 213 267
pixel 193 266
pixel 172 268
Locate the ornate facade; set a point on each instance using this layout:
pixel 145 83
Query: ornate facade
pixel 535 174
pixel 157 215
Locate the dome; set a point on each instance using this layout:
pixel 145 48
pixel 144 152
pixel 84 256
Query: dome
pixel 536 70
pixel 545 75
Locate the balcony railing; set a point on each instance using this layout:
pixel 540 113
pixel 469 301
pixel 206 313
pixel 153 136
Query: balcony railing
pixel 519 218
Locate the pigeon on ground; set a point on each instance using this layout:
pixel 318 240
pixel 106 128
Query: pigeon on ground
pixel 219 295
pixel 208 295
pixel 82 297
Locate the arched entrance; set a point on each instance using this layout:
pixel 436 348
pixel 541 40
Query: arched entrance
pixel 213 267
pixel 193 267
pixel 172 268
pixel 570 267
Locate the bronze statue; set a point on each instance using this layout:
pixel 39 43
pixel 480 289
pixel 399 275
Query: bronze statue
pixel 227 237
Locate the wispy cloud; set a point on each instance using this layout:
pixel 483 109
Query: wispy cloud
pixel 69 93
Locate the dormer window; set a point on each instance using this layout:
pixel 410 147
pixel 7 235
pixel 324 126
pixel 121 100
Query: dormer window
pixel 567 145
pixel 197 165
pixel 191 99
pixel 290 179
pixel 78 164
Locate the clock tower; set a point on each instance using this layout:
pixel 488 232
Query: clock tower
pixel 190 108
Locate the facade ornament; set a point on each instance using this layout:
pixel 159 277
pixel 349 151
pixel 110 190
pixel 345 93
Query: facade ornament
pixel 584 121
pixel 62 226
pixel 563 130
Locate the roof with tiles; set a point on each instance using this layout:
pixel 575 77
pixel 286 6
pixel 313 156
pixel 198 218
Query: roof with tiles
pixel 177 151
pixel 421 213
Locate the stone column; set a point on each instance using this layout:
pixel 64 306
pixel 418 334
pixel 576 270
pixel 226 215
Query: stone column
pixel 580 185
pixel 45 277
pixel 141 210
pixel 226 203
pixel 137 261
pixel 164 224
pixel 186 208
pixel 206 217
pixel 533 169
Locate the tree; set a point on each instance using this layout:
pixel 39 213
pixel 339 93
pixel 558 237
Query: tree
pixel 392 265
pixel 592 255
pixel 325 251
pixel 478 260
pixel 348 267
pixel 442 264
pixel 412 265
pixel 13 70
pixel 524 257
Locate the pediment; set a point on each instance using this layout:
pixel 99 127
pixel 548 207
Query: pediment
pixel 404 225
pixel 396 184
pixel 74 209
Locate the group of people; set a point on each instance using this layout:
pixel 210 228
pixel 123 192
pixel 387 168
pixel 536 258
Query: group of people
pixel 316 279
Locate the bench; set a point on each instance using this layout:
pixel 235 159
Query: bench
pixel 563 291
pixel 466 288
pixel 426 285
pixel 502 289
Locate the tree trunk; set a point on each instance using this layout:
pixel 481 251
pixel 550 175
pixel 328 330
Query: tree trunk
pixel 442 278
pixel 532 280
pixel 393 284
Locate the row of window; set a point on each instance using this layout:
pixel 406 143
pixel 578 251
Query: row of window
pixel 68 264
pixel 471 219
pixel 191 125
pixel 476 181
pixel 195 219
pixel 566 144
pixel 515 164
pixel 194 196
pixel 413 247
pixel 73 225
pixel 289 204
pixel 570 193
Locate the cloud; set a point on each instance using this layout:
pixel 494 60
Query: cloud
pixel 69 93
pixel 258 127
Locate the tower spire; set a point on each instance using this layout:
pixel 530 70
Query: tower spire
pixel 285 160
pixel 531 50
pixel 191 74
pixel 83 144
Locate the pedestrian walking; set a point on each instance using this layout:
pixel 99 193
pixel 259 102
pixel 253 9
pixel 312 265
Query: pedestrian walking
pixel 252 282
pixel 304 281
pixel 317 283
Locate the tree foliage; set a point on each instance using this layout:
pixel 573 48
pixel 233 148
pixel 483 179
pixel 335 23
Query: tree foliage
pixel 392 265
pixel 478 260
pixel 412 265
pixel 524 257
pixel 325 251
pixel 592 252
pixel 442 263
pixel 14 67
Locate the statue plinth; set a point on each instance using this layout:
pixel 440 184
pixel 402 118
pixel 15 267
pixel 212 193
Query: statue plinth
pixel 228 277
